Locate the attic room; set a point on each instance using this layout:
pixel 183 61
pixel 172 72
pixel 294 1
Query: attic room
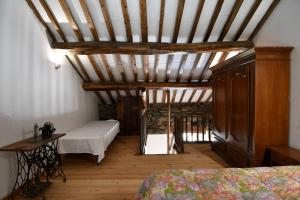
pixel 149 99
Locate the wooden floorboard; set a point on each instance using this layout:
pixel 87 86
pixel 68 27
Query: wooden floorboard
pixel 122 171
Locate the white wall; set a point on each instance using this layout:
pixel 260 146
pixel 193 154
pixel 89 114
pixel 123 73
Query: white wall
pixel 283 29
pixel 31 90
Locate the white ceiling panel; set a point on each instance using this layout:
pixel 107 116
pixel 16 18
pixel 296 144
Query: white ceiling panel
pixel 244 10
pixel 101 67
pixel 88 67
pixel 196 96
pixel 97 16
pixel 221 20
pixel 153 15
pixel 134 15
pixel 169 20
pixel 116 16
pixel 261 10
pixel 204 20
pixel 187 21
pixel 159 96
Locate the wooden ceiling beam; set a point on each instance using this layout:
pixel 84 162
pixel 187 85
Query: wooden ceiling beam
pixel 264 19
pixel 71 19
pixel 182 96
pixel 144 30
pixel 202 95
pixel 53 19
pixel 190 40
pixel 180 8
pixel 40 18
pixel 107 20
pixel 143 17
pixel 247 19
pixel 104 86
pixel 174 96
pixel 129 36
pixel 109 25
pixel 164 96
pixel 154 97
pixel 145 67
pixel 150 48
pixel 89 19
pixel 161 22
pixel 213 19
pixel 109 71
pixel 224 31
pixel 192 96
pixel 208 98
pixel 181 66
pixel 196 20
pixel 96 68
pixel 126 20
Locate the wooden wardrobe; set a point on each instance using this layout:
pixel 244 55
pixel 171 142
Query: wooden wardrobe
pixel 128 113
pixel 251 104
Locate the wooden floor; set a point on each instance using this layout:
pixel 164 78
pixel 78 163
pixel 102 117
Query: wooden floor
pixel 121 172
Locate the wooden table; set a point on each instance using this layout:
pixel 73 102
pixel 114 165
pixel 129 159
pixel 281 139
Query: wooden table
pixel 283 155
pixel 37 158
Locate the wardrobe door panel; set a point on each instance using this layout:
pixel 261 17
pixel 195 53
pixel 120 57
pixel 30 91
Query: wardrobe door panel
pixel 219 108
pixel 239 108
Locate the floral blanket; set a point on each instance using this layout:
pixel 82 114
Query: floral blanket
pixel 228 183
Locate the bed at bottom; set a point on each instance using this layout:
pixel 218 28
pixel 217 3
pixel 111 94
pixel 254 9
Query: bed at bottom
pixel 228 183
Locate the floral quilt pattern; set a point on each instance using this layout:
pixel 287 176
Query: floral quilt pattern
pixel 265 183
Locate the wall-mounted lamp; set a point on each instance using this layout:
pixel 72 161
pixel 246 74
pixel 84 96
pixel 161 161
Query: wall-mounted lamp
pixel 56 58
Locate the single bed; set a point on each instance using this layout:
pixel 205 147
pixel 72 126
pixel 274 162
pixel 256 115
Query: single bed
pixel 92 138
pixel 229 183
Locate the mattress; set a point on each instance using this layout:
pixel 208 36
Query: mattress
pixel 92 138
pixel 264 183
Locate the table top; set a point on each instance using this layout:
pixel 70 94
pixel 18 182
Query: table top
pixel 287 151
pixel 31 143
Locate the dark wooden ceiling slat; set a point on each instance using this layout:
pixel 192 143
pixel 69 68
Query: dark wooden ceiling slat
pixel 89 19
pixel 224 31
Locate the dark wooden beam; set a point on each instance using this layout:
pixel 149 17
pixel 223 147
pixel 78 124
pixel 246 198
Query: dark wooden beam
pixel 202 95
pixel 104 86
pixel 182 96
pixel 126 20
pixel 196 20
pixel 89 19
pixel 150 48
pixel 243 25
pixel 40 18
pixel 146 67
pixel 192 96
pixel 264 19
pixel 96 68
pixel 154 97
pixel 71 19
pixel 247 19
pixel 143 16
pixel 213 19
pixel 174 96
pixel 107 20
pixel 180 8
pixel 53 19
pixel 224 31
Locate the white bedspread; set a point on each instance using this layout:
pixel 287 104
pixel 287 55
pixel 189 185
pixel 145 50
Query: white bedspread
pixel 92 138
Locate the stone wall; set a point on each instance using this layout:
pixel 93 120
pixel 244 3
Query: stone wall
pixel 157 115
